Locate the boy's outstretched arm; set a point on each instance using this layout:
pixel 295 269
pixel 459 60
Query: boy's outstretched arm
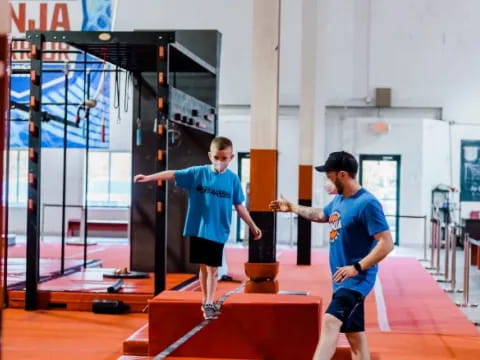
pixel 245 216
pixel 163 175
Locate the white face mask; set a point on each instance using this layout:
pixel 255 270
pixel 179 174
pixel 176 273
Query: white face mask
pixel 220 166
pixel 330 187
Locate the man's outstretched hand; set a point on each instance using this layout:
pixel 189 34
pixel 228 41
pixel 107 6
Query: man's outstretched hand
pixel 281 205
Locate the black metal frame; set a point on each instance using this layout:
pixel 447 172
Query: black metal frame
pixel 160 267
pixel 136 52
pixel 7 189
pixel 34 173
pixel 4 165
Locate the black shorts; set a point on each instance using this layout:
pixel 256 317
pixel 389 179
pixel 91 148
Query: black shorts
pixel 348 306
pixel 207 252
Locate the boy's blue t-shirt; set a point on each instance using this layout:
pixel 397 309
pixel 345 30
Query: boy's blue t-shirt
pixel 353 223
pixel 210 199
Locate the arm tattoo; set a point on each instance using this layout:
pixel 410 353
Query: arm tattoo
pixel 310 213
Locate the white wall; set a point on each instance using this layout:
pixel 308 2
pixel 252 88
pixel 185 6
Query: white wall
pixel 435 159
pixel 425 50
pixel 352 134
pixel 234 20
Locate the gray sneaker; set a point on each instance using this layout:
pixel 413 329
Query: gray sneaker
pixel 217 307
pixel 209 311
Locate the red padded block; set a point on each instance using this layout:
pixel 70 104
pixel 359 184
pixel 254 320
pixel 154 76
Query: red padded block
pixel 137 343
pixel 251 326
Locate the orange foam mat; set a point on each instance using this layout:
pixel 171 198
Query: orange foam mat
pixel 16 269
pixel 201 358
pixel 315 279
pixel 77 291
pixel 415 303
pixel 251 326
pixel 130 357
pixel 137 343
pixel 45 335
pixel 111 255
pixel 423 346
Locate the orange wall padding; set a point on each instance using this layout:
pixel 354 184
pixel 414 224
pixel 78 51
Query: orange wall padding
pixel 251 326
pixel 263 178
pixel 305 177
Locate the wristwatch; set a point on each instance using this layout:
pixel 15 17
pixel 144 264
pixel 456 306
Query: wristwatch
pixel 357 267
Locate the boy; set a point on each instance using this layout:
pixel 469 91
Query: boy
pixel 212 190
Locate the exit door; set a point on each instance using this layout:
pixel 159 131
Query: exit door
pixel 380 174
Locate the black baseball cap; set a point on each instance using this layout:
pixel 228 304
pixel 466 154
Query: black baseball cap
pixel 339 161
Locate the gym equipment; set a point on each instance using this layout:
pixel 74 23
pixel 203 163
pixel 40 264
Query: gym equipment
pixel 125 274
pixel 442 204
pixel 175 81
pixel 117 285
pixel 109 307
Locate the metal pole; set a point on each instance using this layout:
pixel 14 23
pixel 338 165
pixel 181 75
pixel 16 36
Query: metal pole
pixel 291 230
pixel 439 245
pixel 64 175
pixel 466 273
pixel 425 258
pixel 447 254
pixel 433 238
pixel 87 150
pixel 34 171
pixel 7 185
pixel 453 282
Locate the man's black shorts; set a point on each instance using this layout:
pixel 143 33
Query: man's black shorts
pixel 348 306
pixel 207 252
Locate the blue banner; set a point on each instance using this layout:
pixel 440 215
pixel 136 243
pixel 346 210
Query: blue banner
pixel 96 15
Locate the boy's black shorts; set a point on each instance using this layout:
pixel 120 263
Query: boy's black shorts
pixel 207 252
pixel 348 306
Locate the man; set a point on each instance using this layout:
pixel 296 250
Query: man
pixel 359 240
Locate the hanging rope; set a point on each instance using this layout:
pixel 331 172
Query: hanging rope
pixel 88 104
pixel 104 96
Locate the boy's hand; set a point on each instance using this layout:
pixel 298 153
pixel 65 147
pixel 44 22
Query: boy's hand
pixel 257 233
pixel 140 178
pixel 282 205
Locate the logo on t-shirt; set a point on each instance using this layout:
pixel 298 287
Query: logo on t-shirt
pixel 208 190
pixel 335 221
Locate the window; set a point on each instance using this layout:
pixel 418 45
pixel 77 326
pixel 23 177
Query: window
pixel 244 175
pixel 18 177
pixel 109 178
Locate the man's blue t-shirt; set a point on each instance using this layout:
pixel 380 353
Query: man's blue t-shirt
pixel 353 223
pixel 210 199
